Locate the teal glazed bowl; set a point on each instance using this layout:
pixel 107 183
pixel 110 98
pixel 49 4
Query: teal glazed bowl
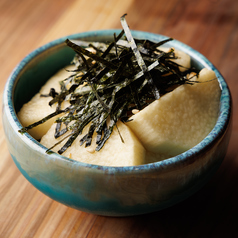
pixel 111 191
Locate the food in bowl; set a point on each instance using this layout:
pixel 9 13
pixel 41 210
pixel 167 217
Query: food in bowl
pixel 175 105
pixel 108 190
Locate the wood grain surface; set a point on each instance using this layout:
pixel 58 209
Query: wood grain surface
pixel 209 26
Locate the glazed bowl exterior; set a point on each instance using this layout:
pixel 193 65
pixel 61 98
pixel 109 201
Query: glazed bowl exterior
pixel 112 191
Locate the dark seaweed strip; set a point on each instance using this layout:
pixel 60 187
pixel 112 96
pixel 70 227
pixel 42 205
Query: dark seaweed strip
pixel 91 130
pixel 57 143
pixel 57 129
pixel 135 97
pixel 100 74
pixel 119 133
pixel 75 134
pixel 115 45
pixel 80 50
pixel 121 67
pixel 158 44
pixel 133 44
pixel 69 142
pixel 112 44
pixel 60 133
pixel 52 93
pixel 83 139
pixel 98 98
pixel 102 124
pixel 95 48
pixel 104 54
pixel 139 58
pixel 25 129
pixel 84 60
pixel 88 137
pixel 107 133
pixel 59 97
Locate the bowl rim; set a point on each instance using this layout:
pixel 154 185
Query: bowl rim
pixel 170 163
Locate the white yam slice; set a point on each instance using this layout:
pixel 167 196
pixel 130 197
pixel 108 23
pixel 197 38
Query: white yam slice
pixel 180 119
pixel 183 59
pixel 38 107
pixel 113 153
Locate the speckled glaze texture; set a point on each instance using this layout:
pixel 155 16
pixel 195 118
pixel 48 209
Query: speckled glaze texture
pixel 112 191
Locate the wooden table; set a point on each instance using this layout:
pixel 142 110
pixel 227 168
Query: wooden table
pixel 209 26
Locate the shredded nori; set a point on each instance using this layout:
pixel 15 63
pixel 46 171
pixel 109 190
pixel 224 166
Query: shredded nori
pixel 109 83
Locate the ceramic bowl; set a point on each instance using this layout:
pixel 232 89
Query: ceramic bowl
pixel 112 191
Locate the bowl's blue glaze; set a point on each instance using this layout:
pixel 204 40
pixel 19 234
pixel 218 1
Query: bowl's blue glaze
pixel 114 191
